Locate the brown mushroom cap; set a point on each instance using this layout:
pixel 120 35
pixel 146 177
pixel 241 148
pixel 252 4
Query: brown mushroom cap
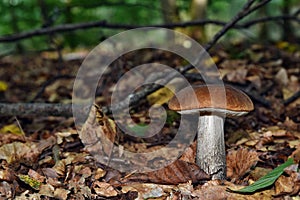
pixel 226 100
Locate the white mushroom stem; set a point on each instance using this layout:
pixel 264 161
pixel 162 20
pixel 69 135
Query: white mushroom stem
pixel 211 155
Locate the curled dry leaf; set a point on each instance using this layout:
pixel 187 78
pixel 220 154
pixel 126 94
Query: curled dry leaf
pixel 33 174
pixel 99 173
pixel 6 190
pixel 288 185
pixel 47 190
pixel 98 133
pixel 189 154
pixel 61 193
pixel 17 152
pixel 148 190
pixel 239 162
pixel 7 175
pixel 296 154
pixel 104 189
pixel 175 173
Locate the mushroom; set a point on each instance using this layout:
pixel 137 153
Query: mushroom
pixel 212 103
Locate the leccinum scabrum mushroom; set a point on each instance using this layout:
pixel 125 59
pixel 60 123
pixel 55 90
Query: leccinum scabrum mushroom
pixel 213 103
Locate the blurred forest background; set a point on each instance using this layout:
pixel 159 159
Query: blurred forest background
pixel 18 16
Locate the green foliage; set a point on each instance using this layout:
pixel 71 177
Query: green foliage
pixel 26 15
pixel 172 116
pixel 266 180
pixel 139 129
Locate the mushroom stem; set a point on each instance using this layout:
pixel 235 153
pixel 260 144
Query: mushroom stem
pixel 211 156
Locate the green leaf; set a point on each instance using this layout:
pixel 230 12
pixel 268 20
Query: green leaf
pixel 30 181
pixel 139 129
pixel 266 180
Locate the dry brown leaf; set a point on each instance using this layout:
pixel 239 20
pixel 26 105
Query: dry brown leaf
pixel 9 138
pixel 6 190
pixel 47 190
pixel 99 173
pixel 104 189
pixel 215 192
pixel 255 80
pixel 98 133
pixel 61 193
pixel 259 172
pixel 149 190
pixel 189 154
pixel 296 154
pixel 239 162
pixel 19 152
pixel 175 173
pixel 33 174
pixel 288 185
pixel 282 76
pixel 7 175
pixel 238 75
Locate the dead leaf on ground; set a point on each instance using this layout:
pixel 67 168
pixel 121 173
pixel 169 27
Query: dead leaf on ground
pixel 104 189
pixel 149 190
pixel 288 185
pixel 239 163
pixel 189 154
pixel 98 133
pixel 175 173
pixel 19 152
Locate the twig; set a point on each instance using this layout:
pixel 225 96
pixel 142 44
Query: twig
pixel 230 24
pixel 292 98
pixel 49 82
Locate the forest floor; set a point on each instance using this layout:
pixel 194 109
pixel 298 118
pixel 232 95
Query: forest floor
pixel 44 157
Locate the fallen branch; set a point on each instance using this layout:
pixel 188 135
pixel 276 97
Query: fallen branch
pixel 35 109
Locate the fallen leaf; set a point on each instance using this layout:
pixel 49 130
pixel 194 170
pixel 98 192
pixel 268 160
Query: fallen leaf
pixel 36 176
pixel 189 154
pixel 30 181
pixel 7 175
pixel 6 190
pixel 104 189
pixel 98 133
pixel 161 96
pixel 266 180
pixel 99 173
pixel 61 193
pixel 47 190
pixel 19 152
pixel 3 86
pixel 148 190
pixel 238 75
pixel 287 185
pixel 282 77
pixel 239 162
pixel 11 128
pixel 175 173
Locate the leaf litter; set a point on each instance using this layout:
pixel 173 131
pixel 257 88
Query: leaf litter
pixel 50 161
